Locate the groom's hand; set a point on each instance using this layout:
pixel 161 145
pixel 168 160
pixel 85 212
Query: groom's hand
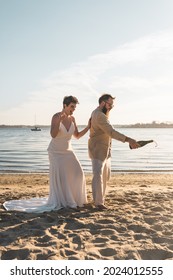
pixel 132 143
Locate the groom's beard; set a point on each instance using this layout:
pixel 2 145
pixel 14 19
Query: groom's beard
pixel 104 110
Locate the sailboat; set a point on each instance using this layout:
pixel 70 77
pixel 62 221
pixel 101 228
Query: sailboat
pixel 36 128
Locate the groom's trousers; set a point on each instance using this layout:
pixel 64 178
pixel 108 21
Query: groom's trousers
pixel 101 174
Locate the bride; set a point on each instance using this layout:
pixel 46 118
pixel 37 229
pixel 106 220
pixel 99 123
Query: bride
pixel 67 187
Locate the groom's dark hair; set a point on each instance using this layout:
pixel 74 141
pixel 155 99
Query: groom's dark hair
pixel 70 99
pixel 105 97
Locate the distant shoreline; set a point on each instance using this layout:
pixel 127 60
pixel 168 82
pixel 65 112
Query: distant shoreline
pixel 137 125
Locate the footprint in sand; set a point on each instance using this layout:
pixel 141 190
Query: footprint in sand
pixel 100 240
pixel 155 254
pixel 140 236
pixel 157 209
pixel 70 252
pixel 108 252
pixel 49 219
pixel 143 186
pixel 106 221
pixel 77 243
pixel 171 247
pixel 45 238
pixel 75 225
pixel 77 239
pixel 158 227
pixel 150 220
pixel 108 232
pixel 140 228
pixel 74 257
pixel 66 253
pixel 162 240
pixel 56 233
pixel 4 240
pixel 19 254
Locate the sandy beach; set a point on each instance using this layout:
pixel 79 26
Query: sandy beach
pixel 138 224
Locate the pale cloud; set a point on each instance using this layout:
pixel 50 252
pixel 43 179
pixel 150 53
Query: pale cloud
pixel 138 73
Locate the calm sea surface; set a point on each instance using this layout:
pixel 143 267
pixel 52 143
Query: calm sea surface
pixel 24 151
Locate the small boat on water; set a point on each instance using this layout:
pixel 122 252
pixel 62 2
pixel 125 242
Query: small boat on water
pixel 36 128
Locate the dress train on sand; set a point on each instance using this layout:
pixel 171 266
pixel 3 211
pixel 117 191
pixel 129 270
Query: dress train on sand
pixel 67 186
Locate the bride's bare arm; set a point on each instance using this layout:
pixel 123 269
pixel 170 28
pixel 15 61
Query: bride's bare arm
pixel 55 123
pixel 79 134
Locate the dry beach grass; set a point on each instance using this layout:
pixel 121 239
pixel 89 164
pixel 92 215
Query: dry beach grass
pixel 137 225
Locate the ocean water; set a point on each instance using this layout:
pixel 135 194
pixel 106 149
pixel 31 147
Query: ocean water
pixel 25 151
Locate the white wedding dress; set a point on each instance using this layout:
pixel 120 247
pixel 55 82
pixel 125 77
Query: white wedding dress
pixel 67 187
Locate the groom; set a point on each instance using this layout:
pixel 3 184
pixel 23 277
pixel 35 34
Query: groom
pixel 99 146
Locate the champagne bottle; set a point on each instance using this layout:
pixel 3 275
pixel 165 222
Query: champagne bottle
pixel 143 143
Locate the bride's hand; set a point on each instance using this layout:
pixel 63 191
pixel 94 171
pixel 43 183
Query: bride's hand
pixel 72 119
pixel 62 115
pixel 89 123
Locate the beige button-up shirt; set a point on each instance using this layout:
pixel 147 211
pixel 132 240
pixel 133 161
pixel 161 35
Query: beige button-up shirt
pixel 101 134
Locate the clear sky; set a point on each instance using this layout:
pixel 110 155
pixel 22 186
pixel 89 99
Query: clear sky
pixel 53 48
